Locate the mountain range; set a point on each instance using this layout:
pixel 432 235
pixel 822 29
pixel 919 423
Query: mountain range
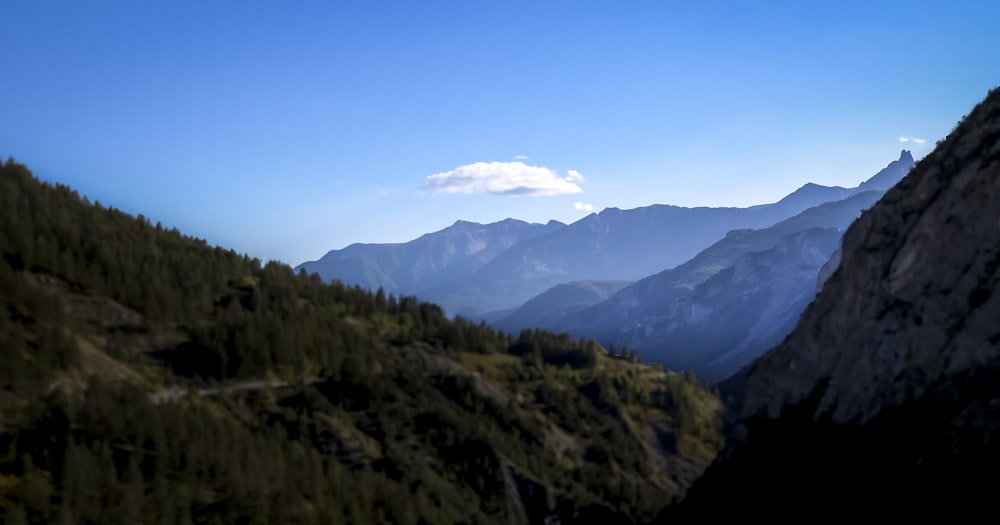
pixel 576 278
pixel 729 303
pixel 474 269
pixel 620 245
pixel 430 260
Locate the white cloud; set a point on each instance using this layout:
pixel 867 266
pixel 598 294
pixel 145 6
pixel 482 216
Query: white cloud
pixel 504 178
pixel 520 157
pixel 583 206
pixel 915 140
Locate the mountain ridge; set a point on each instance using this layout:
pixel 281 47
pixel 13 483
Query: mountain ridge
pixel 551 306
pixel 407 267
pixel 603 245
pixel 631 316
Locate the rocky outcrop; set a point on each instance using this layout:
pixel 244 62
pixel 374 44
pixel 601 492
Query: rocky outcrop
pixel 888 177
pixel 915 297
pixel 884 402
pixel 828 268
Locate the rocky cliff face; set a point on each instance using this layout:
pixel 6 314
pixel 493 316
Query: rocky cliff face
pixel 884 402
pixel 916 295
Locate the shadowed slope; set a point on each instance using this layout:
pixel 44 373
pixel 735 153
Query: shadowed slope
pixel 883 402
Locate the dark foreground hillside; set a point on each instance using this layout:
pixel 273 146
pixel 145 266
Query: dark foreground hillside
pixel 884 402
pixel 146 377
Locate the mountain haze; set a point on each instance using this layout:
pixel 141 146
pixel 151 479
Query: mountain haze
pixel 728 304
pixel 488 271
pixel 612 245
pixel 425 262
pixel 550 307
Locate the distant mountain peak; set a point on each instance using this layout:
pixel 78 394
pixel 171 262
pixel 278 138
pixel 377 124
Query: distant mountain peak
pixel 427 261
pixel 504 222
pixel 891 174
pixel 812 194
pixel 938 267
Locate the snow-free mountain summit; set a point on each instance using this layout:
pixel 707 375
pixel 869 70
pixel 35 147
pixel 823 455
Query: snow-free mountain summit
pixel 711 288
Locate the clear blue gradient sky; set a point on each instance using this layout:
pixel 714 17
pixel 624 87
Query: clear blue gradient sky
pixel 286 129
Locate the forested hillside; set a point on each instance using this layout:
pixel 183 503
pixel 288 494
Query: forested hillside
pixel 146 377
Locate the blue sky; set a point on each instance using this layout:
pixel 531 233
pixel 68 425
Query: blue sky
pixel 286 129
